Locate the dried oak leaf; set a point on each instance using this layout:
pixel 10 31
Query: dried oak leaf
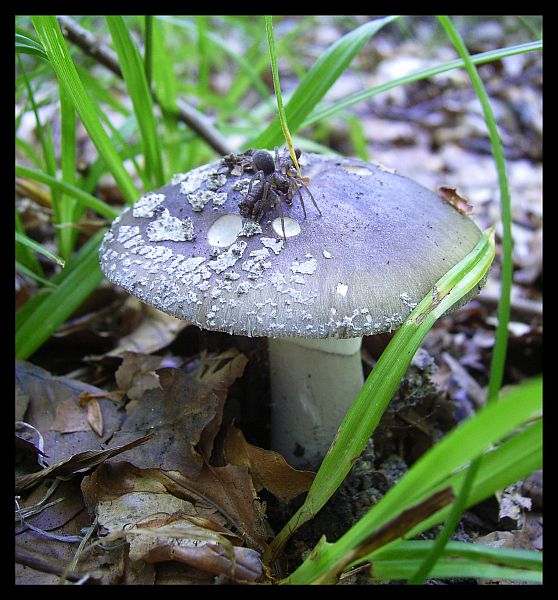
pixel 78 462
pixel 167 517
pixel 54 410
pixel 54 510
pixel 155 331
pixel 229 490
pixel 137 374
pixel 184 415
pixel 451 196
pixel 268 469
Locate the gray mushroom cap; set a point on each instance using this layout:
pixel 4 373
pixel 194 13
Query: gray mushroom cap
pixel 359 269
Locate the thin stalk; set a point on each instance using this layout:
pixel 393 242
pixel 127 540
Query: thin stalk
pixel 84 198
pixel 501 338
pixel 277 86
pixel 148 49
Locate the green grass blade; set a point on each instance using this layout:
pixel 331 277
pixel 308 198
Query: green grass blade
pixel 148 50
pixel 23 254
pixel 27 45
pixel 36 247
pixel 75 282
pixel 70 211
pixel 459 560
pixel 238 58
pixel 138 90
pixel 324 112
pixel 21 268
pixel 319 79
pixel 28 150
pixel 203 57
pixel 57 51
pixel 371 402
pixel 515 458
pixel 47 147
pixel 99 92
pixel 501 338
pixel 277 87
pixel 82 197
pixel 415 549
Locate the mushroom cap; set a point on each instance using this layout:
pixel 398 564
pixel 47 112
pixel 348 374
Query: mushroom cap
pixel 379 246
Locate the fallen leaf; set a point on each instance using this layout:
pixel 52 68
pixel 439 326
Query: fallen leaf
pixel 155 331
pixel 137 374
pixel 184 414
pixel 165 517
pixel 231 492
pixel 512 503
pixel 245 565
pixel 269 469
pixel 69 417
pixel 54 410
pixel 451 196
pixel 83 460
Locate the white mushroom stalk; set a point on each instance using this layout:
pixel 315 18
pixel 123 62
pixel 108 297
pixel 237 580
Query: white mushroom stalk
pixel 313 384
pixel 233 247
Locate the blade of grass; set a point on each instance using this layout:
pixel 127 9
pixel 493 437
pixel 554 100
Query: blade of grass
pixel 277 87
pixel 27 45
pixel 36 247
pixel 319 79
pixel 242 62
pixel 324 112
pixel 70 212
pixel 45 139
pixel 516 457
pixel 460 560
pixel 75 282
pixel 501 339
pixel 138 90
pixel 55 46
pixel 82 197
pixel 28 150
pixel 513 460
pixel 148 49
pixel 21 268
pixel 203 57
pixel 22 253
pixel 369 405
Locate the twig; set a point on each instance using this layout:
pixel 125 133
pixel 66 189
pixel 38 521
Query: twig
pixel 198 122
pixel 39 563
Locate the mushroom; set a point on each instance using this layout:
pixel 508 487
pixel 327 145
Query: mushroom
pixel 314 285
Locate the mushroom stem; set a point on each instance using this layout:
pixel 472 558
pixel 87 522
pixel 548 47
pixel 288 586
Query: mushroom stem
pixel 313 384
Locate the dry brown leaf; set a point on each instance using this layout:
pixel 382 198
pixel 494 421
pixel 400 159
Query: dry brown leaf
pixel 231 492
pixel 155 331
pixel 54 410
pixel 451 196
pixel 137 374
pixel 269 469
pixel 244 566
pixel 160 526
pixel 83 460
pixel 95 416
pixel 69 417
pixel 184 414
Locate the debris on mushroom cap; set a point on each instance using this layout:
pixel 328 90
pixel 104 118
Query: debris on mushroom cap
pixel 359 269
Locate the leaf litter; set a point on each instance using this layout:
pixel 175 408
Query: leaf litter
pixel 172 495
